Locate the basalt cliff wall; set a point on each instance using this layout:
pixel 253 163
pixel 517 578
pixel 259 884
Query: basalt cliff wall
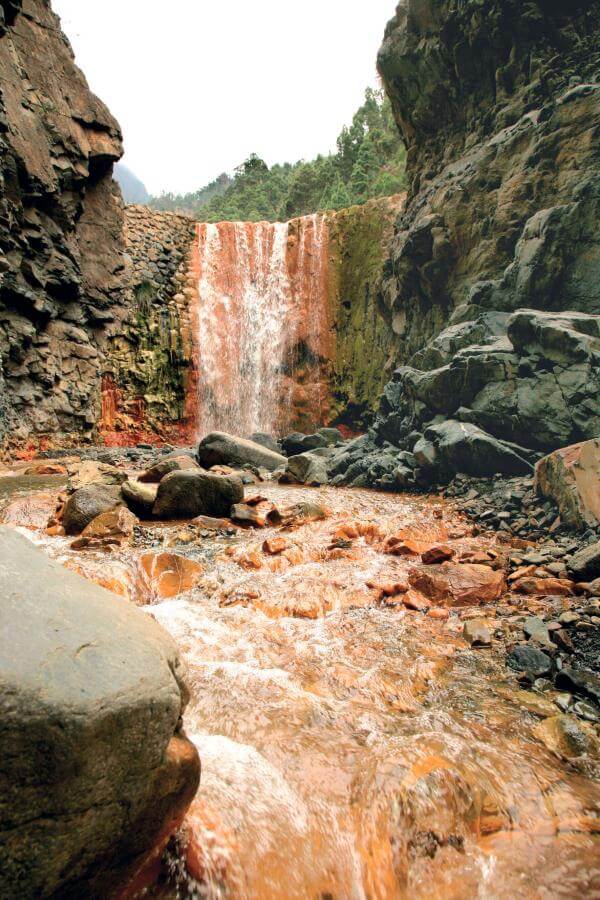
pixel 493 281
pixel 62 262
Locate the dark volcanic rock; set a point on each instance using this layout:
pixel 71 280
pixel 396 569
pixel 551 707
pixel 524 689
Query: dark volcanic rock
pixel 585 564
pixel 533 662
pixel 493 285
pixel 219 448
pixel 185 495
pixel 62 266
pixel 87 503
pixel 173 464
pixel 94 770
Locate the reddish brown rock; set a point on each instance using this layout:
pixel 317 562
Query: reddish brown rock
pixel 458 584
pixel 571 477
pixel 549 587
pixel 438 554
pixel 415 600
pixel 274 546
pixel 164 575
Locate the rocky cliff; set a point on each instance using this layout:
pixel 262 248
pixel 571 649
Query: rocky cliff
pixel 61 265
pixel 492 287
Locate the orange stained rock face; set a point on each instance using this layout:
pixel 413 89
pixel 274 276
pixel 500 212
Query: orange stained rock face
pixel 164 575
pixel 547 586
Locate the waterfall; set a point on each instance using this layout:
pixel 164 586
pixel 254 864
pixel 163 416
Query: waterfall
pixel 261 322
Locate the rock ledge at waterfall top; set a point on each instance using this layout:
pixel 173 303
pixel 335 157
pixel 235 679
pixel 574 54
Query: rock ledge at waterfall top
pixel 95 772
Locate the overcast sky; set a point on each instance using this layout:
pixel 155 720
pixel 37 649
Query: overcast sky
pixel 198 85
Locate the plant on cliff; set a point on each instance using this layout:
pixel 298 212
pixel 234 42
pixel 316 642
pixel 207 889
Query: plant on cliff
pixel 369 162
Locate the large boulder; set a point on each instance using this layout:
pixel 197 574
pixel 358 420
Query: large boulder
pixel 185 495
pixel 307 468
pixel 585 564
pixel 95 770
pixel 455 446
pixel 571 477
pixel 296 443
pixel 88 502
pixel 163 467
pixel 218 448
pixel 139 496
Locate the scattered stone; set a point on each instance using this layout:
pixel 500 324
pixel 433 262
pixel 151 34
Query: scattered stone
pixel 89 471
pixel 585 564
pixel 568 738
pixel 139 497
pixel 579 681
pixel 415 600
pixel 459 584
pixel 252 515
pixel 274 546
pixel 532 662
pixel 437 554
pixel 164 575
pixel 157 472
pixel 476 633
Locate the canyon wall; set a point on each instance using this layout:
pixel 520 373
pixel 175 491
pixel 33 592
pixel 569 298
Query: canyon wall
pixel 493 282
pixel 148 372
pixel 62 266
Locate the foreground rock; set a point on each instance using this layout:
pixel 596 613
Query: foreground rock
pixel 571 478
pixel 218 449
pixel 185 495
pixel 95 772
pixel 87 503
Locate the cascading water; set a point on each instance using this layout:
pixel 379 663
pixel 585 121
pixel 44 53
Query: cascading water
pixel 262 294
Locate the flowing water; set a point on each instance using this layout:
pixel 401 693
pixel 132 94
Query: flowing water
pixel 351 750
pixel 261 293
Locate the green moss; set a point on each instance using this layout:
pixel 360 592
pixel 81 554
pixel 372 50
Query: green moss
pixel 364 342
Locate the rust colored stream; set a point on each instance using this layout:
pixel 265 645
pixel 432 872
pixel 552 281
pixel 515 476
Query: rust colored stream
pixel 351 750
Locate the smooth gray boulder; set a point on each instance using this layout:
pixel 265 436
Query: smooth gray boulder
pixel 139 496
pixel 163 467
pixel 94 769
pixel 585 564
pixel 88 502
pixel 185 495
pixel 453 446
pixel 307 468
pixel 296 443
pixel 220 449
pixel 265 440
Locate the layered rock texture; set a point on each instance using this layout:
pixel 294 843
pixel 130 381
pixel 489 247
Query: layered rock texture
pixel 493 286
pixel 149 368
pixel 62 268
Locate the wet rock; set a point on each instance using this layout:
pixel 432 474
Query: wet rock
pixel 95 772
pixel 164 575
pixel 265 440
pixel 157 472
pixel 476 633
pixel 585 564
pixel 537 630
pixel 586 711
pixel 571 478
pixel 298 513
pixel 88 502
pixel 219 448
pixel 45 469
pixel 307 468
pixel 275 546
pixel 437 554
pixel 92 472
pixel 454 446
pixel 185 495
pixel 296 443
pixel 139 497
pixel 568 738
pixel 532 662
pixel 113 526
pixel 579 681
pixel 252 515
pixel 413 600
pixel 459 584
pixel 548 587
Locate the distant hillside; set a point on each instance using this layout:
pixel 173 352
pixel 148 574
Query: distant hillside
pixel 370 162
pixel 133 190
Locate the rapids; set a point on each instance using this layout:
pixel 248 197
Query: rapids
pixel 350 750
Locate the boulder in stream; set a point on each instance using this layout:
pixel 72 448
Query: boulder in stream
pixel 219 448
pixel 185 495
pixel 95 771
pixel 88 502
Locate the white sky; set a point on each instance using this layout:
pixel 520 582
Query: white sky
pixel 198 85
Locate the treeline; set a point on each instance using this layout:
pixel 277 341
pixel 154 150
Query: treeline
pixel 370 162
